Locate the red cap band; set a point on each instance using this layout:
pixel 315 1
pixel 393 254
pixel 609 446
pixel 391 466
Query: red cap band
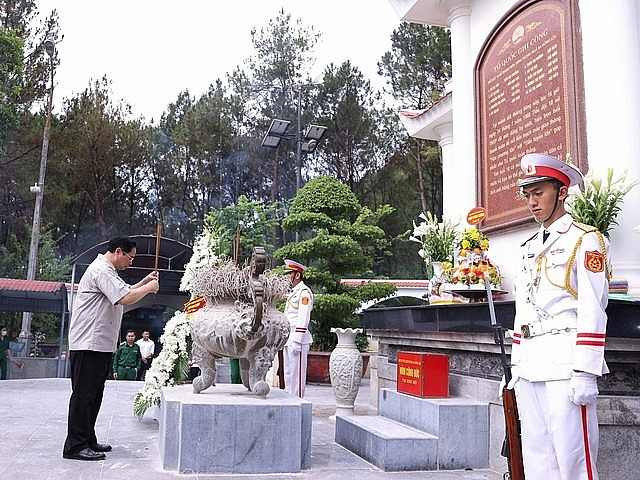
pixel 294 268
pixel 549 172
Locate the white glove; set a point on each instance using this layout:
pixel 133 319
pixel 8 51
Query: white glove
pixel 515 377
pixel 501 387
pixel 512 383
pixel 583 388
pixel 296 348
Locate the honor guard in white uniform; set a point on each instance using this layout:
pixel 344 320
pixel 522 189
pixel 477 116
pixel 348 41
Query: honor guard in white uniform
pixel 298 312
pixel 559 328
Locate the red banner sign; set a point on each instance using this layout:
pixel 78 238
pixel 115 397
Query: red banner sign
pixel 476 215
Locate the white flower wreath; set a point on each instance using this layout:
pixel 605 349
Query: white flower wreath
pixel 171 366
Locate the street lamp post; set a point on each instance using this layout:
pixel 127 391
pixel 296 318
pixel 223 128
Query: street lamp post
pixel 299 142
pixel 38 190
pixel 305 143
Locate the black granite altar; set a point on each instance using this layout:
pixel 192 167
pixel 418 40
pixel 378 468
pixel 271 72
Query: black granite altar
pixel 413 329
pixel 624 318
pixel 468 317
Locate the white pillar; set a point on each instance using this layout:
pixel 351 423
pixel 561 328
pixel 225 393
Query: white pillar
pixel 460 174
pixel 611 51
pixel 445 140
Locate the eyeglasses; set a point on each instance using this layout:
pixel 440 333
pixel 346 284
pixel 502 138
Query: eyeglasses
pixel 128 256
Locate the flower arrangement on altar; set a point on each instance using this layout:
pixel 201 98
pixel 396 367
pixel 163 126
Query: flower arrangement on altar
pixel 436 238
pixel 600 202
pixel 473 267
pixel 468 273
pixel 474 241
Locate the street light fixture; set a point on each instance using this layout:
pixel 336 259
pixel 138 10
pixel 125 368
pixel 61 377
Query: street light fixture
pixel 306 143
pixel 38 189
pixel 278 130
pixel 312 137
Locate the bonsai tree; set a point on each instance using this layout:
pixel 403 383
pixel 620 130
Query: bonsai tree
pixel 339 238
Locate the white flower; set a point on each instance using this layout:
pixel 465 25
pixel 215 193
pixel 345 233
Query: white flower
pixel 203 255
pixel 436 238
pixel 175 347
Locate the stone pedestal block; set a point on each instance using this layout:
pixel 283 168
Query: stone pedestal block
pixel 461 425
pixel 387 444
pixel 227 429
pixel 412 433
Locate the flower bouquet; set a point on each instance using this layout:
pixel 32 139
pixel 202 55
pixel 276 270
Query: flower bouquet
pixel 437 239
pixel 473 241
pixel 477 273
pixel 600 203
pixel 473 268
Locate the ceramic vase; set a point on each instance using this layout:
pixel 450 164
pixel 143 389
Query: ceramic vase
pixel 437 269
pixel 345 369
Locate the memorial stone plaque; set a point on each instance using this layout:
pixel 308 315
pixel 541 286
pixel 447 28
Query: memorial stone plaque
pixel 526 102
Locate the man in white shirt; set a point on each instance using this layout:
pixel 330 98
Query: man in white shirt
pixel 147 350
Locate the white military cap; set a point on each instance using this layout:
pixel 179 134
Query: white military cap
pixel 538 167
pixel 290 265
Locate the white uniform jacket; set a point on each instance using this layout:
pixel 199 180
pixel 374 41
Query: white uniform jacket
pixel 298 312
pixel 561 296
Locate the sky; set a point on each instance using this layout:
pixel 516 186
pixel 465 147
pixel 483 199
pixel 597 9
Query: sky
pixel 151 50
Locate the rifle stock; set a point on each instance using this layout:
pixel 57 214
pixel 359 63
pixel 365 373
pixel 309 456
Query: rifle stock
pixel 512 448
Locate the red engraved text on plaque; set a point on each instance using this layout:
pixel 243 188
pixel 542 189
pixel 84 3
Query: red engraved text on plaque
pixel 526 103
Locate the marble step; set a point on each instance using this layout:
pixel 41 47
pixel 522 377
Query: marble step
pixel 461 425
pixel 387 444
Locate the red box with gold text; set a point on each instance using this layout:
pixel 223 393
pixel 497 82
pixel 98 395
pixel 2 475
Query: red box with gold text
pixel 423 374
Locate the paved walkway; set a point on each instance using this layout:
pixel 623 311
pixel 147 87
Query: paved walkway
pixel 34 414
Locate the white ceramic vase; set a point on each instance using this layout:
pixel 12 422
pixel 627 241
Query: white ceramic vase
pixel 437 269
pixel 345 369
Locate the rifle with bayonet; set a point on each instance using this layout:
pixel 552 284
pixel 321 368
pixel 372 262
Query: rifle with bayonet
pixel 512 445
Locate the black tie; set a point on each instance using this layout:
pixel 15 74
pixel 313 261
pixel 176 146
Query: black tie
pixel 545 235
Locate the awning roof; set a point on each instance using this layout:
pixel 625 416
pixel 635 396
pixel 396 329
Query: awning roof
pixel 426 123
pixel 172 258
pixel 32 296
pixel 51 297
pixel 432 12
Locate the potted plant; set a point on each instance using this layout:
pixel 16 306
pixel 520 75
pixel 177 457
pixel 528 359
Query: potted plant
pixel 437 240
pixel 600 202
pixel 338 239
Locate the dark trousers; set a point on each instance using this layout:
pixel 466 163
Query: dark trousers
pixel 126 373
pixel 89 372
pixel 143 369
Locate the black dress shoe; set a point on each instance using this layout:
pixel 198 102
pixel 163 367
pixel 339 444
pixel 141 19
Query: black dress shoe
pixel 86 454
pixel 101 447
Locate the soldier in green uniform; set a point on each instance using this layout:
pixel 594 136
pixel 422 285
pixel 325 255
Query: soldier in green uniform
pixel 128 360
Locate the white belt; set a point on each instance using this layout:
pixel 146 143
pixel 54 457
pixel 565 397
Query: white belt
pixel 564 324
